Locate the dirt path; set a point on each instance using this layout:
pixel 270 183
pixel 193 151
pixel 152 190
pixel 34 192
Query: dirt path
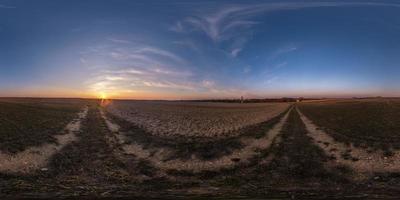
pixel 35 158
pixel 90 160
pixel 297 162
pixel 158 156
pixel 361 160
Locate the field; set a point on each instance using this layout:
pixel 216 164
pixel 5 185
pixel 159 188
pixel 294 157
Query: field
pixel 25 123
pixel 195 119
pixel 70 147
pixel 368 123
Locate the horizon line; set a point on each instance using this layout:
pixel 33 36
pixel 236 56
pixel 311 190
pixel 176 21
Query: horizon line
pixel 204 99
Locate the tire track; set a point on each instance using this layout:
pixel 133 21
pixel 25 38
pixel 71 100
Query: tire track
pixel 35 158
pixel 157 156
pixel 361 160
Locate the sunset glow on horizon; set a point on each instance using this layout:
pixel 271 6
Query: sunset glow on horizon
pixel 199 50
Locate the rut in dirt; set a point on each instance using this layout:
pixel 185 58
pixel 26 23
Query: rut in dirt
pixel 36 157
pixel 90 160
pixel 294 162
pixel 91 165
pixel 299 161
pixel 364 162
pixel 157 156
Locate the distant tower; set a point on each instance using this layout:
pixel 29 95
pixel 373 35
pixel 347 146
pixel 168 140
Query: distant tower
pixel 241 99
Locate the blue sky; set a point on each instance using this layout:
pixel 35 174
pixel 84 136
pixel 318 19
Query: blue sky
pixel 192 49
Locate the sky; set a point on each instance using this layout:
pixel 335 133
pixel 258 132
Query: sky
pixel 199 49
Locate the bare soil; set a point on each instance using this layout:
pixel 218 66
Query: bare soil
pixel 160 157
pixel 34 158
pixel 362 160
pixel 194 119
pixel 284 162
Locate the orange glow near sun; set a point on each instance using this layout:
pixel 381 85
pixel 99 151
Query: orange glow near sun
pixel 102 95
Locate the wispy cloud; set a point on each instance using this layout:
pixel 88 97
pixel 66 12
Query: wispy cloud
pixel 139 67
pixel 280 65
pixel 124 71
pixel 169 85
pixel 233 17
pixel 246 69
pixel 144 67
pixel 121 41
pixel 219 24
pixel 119 80
pixel 271 80
pixel 7 7
pixel 188 44
pixel 146 54
pixel 282 50
pixel 208 83
pixel 177 27
pixel 235 52
pixel 160 52
pixel 130 78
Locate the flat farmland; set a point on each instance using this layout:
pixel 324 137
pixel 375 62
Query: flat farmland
pixel 368 122
pixel 68 147
pixel 31 122
pixel 195 119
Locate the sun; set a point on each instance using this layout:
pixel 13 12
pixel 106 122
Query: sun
pixel 103 95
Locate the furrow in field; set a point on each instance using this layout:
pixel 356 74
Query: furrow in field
pixel 158 156
pixel 37 157
pixel 361 160
pixel 195 119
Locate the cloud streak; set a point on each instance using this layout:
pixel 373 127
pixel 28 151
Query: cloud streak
pixel 235 52
pixel 281 51
pixel 141 67
pixel 219 24
pixel 115 40
pixel 7 7
pixel 144 68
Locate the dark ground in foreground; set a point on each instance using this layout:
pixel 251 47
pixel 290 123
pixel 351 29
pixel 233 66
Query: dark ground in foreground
pixel 31 123
pixel 365 123
pixel 95 166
